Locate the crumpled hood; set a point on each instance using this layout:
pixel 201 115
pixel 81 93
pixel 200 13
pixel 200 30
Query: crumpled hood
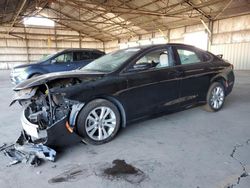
pixel 58 75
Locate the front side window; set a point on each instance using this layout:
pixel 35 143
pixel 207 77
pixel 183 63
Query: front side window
pixel 64 58
pixel 155 59
pixel 188 56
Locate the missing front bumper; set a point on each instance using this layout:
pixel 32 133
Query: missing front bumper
pixel 57 135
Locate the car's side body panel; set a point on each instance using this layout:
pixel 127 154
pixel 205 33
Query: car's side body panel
pixel 150 91
pixel 143 93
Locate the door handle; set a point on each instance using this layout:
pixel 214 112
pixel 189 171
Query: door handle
pixel 176 73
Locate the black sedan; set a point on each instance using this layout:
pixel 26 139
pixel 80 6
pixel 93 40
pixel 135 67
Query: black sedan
pixel 121 87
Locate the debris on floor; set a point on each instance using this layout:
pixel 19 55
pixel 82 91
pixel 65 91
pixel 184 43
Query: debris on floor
pixel 54 166
pixel 26 152
pixel 118 170
pixel 2 146
pixel 38 150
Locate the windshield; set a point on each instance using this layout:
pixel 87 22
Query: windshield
pixel 46 57
pixel 111 61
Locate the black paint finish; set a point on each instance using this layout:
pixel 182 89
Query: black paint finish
pixel 145 92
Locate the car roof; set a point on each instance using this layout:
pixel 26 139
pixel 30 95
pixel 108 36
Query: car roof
pixel 82 49
pixel 171 44
pixel 145 47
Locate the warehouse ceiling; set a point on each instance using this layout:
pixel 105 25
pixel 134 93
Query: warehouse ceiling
pixel 107 20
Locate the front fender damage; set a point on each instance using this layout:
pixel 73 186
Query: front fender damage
pixel 23 95
pixel 59 134
pixel 48 121
pixel 48 116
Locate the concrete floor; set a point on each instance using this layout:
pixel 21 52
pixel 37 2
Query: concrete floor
pixel 187 149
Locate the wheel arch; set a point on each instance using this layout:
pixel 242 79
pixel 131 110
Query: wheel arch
pixel 36 70
pixel 219 78
pixel 111 99
pixel 34 74
pixel 118 104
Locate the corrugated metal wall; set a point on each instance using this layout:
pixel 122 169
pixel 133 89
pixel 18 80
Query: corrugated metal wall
pixel 30 45
pixel 231 37
pixel 237 53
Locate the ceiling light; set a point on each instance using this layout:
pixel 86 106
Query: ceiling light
pixel 38 21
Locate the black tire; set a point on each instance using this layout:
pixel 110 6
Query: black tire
pixel 209 105
pixel 82 121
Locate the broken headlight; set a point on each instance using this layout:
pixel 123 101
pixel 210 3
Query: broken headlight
pixel 23 94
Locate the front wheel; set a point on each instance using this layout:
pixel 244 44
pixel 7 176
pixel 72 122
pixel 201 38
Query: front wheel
pixel 215 97
pixel 98 122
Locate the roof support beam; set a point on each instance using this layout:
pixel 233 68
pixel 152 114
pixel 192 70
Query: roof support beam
pixel 123 25
pixel 88 25
pixel 198 9
pixel 70 19
pixel 102 16
pixel 122 10
pixel 27 45
pixel 174 24
pixel 170 13
pixel 224 8
pixel 16 16
pixel 206 27
pixel 18 34
pixel 71 28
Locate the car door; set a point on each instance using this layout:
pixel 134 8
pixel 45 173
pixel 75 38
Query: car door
pixel 62 62
pixel 81 58
pixel 196 75
pixel 154 89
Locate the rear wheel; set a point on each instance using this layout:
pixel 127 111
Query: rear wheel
pixel 215 97
pixel 98 122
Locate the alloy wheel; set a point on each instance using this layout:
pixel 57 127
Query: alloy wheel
pixel 100 123
pixel 217 97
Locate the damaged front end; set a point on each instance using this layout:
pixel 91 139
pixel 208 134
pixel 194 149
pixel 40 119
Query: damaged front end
pixel 48 118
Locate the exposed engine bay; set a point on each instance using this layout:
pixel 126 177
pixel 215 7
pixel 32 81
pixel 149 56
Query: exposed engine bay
pixel 43 110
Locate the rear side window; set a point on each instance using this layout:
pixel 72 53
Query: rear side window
pixel 96 55
pixel 188 56
pixel 79 56
pixel 206 56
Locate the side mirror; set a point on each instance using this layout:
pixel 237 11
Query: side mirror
pixel 53 61
pixel 220 56
pixel 140 67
